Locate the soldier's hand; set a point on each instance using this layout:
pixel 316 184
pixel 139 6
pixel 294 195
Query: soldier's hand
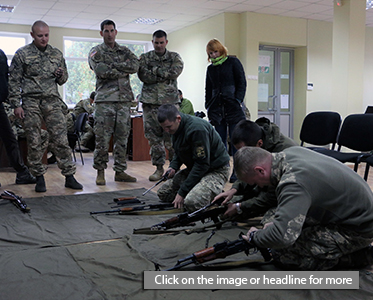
pixel 231 211
pixel 228 195
pixel 247 236
pixel 19 113
pixel 59 72
pixel 178 202
pixel 171 173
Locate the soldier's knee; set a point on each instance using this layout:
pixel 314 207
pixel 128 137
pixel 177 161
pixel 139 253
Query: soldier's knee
pixel 166 195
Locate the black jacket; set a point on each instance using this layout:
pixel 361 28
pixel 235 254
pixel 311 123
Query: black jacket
pixel 3 77
pixel 225 91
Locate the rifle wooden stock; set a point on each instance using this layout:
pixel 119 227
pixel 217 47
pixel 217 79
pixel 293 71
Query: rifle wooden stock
pixel 16 200
pixel 125 210
pixel 124 199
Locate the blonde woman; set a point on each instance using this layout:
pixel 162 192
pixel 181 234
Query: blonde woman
pixel 224 91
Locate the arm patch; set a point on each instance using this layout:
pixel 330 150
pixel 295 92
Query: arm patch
pixel 200 152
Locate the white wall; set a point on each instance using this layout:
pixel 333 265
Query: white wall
pixel 191 43
pixel 242 34
pixel 368 71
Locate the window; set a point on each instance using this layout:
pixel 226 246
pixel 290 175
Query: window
pixel 11 42
pixel 82 80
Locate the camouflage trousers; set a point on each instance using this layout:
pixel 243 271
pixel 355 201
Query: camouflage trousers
pixel 87 135
pixel 323 248
pixel 158 139
pixel 201 194
pixel 111 118
pixel 51 111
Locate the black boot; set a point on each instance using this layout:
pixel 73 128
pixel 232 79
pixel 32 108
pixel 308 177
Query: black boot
pixel 71 183
pixel 25 177
pixel 40 184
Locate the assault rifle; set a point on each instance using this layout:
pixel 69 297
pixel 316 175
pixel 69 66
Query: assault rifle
pixel 220 250
pixel 164 178
pixel 188 219
pixel 129 210
pixel 126 201
pixel 16 200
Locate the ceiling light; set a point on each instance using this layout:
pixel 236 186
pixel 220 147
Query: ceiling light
pixel 148 21
pixel 7 8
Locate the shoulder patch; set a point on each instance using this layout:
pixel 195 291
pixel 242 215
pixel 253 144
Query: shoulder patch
pixel 200 151
pixel 93 53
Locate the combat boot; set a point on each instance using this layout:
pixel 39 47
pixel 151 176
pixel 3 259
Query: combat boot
pixel 124 177
pixel 157 175
pixel 25 177
pixel 100 179
pixel 40 184
pixel 72 183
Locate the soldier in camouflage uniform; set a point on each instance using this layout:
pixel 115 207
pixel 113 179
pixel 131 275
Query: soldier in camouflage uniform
pixel 35 71
pixel 318 223
pixel 112 65
pixel 159 70
pixel 248 201
pixel 86 106
pixel 199 147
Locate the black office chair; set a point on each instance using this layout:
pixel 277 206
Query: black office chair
pixel 75 137
pixel 356 134
pixel 369 162
pixel 320 128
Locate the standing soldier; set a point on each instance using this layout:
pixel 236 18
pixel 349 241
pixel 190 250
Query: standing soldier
pixel 159 70
pixel 35 71
pixel 112 65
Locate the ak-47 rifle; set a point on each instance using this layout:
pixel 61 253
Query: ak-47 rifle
pixel 126 201
pixel 164 178
pixel 129 210
pixel 186 219
pixel 16 200
pixel 220 250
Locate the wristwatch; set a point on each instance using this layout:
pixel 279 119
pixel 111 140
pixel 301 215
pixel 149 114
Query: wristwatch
pixel 238 208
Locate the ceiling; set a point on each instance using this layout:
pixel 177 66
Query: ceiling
pixel 176 14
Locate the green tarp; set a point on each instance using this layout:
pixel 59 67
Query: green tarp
pixel 60 251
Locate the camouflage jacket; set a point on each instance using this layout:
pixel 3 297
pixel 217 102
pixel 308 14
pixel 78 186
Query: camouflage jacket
pixel 159 75
pixel 31 74
pixel 273 141
pixel 112 67
pixel 83 106
pixel 311 190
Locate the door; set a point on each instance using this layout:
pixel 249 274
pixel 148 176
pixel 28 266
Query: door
pixel 275 86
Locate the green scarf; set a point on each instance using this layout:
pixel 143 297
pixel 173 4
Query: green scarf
pixel 219 60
